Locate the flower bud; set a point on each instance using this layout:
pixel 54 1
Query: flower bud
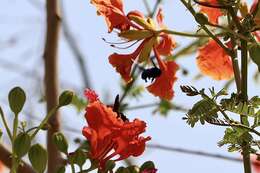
pixel 22 144
pixel 147 165
pixel 16 99
pixel 65 98
pixel 201 18
pixel 133 169
pixel 38 157
pixel 60 142
pixel 110 164
pixel 254 52
pixel 79 157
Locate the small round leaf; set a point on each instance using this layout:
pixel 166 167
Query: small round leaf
pixel 16 99
pixel 38 157
pixel 22 144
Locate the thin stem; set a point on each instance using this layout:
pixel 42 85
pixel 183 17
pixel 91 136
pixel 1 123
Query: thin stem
pixel 158 2
pixel 244 71
pixel 174 107
pixel 234 59
pixel 44 121
pixel 230 31
pixel 73 168
pixel 14 158
pixel 193 12
pixel 182 33
pixel 244 63
pixel 237 125
pixel 148 9
pixel 5 124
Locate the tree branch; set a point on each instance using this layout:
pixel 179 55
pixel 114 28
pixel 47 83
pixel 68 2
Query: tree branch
pixel 193 152
pixel 6 159
pixel 52 81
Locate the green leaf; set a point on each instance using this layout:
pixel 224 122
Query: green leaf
pixel 254 52
pixel 201 111
pixel 16 99
pixel 235 105
pixel 38 157
pixel 60 141
pixel 22 144
pixel 235 138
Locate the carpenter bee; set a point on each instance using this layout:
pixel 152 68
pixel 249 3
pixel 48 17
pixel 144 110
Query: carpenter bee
pixel 116 109
pixel 151 73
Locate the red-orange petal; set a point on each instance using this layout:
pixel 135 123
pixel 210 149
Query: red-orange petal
pixel 166 45
pixel 255 164
pixel 160 17
pixel 91 95
pixel 113 12
pixel 214 62
pixel 212 13
pixel 123 62
pixel 163 85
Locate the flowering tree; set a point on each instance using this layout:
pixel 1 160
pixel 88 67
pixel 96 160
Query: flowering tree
pixel 227 41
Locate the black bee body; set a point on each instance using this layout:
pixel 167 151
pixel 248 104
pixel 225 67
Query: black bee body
pixel 151 73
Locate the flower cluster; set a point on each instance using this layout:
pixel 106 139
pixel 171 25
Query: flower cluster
pixel 110 134
pixel 135 27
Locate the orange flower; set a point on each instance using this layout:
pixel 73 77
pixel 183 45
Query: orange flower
pixel 212 13
pixel 123 62
pixel 163 85
pixel 113 12
pixel 110 135
pixel 149 36
pixel 213 61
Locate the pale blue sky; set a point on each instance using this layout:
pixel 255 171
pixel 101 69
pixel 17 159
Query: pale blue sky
pixel 20 20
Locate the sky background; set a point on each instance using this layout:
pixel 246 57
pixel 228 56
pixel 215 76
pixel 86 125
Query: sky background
pixel 22 28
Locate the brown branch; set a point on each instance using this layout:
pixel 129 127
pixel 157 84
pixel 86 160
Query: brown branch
pixel 52 81
pixel 193 152
pixel 6 159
